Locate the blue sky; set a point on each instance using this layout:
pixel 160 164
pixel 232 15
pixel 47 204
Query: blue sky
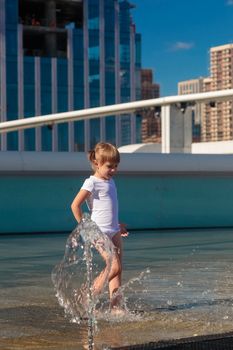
pixel 177 36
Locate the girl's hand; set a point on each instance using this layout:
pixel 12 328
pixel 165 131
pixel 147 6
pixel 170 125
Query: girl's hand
pixel 123 230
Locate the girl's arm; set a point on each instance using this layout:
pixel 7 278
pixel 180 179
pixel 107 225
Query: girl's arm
pixel 76 205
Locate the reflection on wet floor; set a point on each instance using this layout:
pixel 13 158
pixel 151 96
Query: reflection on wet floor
pixel 44 327
pixel 188 291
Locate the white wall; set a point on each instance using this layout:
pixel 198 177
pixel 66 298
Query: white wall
pixel 219 147
pixel 134 163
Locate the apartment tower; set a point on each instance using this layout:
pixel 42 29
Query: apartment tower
pixel 218 116
pixel 151 121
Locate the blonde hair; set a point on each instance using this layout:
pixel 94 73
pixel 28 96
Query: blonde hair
pixel 103 152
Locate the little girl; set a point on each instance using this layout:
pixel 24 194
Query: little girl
pixel 99 191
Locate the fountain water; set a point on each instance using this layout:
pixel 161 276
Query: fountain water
pixel 174 300
pixel 74 276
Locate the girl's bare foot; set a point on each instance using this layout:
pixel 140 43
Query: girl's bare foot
pixel 116 301
pixel 117 311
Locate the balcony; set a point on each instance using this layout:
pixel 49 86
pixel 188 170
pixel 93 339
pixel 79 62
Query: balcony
pixel 45 25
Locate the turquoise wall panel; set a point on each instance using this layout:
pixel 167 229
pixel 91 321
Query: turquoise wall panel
pixel 37 203
pixel 42 203
pixel 176 201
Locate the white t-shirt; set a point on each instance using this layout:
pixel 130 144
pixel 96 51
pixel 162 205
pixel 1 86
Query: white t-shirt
pixel 103 203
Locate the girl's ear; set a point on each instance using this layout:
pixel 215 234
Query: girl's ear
pixel 95 163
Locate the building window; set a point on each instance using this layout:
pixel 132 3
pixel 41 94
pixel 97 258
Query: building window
pixel 45 25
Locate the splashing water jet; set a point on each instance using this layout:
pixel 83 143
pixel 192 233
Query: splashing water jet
pixel 81 278
pixel 77 273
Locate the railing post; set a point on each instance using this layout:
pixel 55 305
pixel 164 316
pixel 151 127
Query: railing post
pixel 176 129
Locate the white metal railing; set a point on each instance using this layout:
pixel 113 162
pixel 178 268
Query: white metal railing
pixel 117 109
pixel 174 124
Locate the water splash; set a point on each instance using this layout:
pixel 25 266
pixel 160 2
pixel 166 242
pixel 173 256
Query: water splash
pixel 75 276
pixel 80 259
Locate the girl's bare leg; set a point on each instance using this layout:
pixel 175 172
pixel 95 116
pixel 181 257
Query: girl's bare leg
pixel 112 269
pixel 111 272
pixel 115 281
pixel 100 280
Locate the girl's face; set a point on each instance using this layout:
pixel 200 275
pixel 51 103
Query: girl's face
pixel 106 170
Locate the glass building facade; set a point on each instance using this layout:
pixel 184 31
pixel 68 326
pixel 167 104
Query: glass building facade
pixel 61 55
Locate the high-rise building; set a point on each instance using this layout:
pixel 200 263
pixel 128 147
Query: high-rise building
pixel 216 118
pixel 206 113
pixel 151 121
pixel 219 116
pixel 62 55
